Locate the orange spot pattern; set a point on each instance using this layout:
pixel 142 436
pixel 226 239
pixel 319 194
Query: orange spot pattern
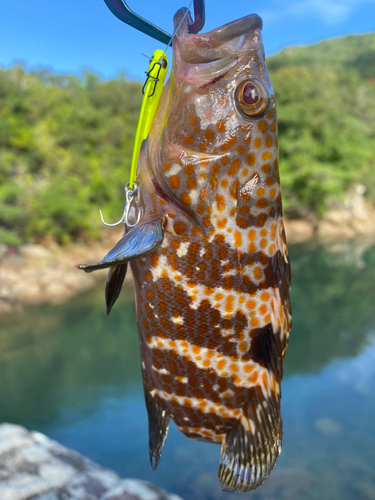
pixel 262 126
pixel 253 222
pixel 220 126
pixel 188 139
pixel 229 143
pixel 179 227
pixel 220 201
pixel 185 198
pixel 250 159
pixel 234 167
pixel 191 183
pixel 174 182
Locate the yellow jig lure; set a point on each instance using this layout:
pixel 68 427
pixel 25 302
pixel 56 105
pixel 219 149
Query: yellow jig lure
pixel 152 89
pixel 156 73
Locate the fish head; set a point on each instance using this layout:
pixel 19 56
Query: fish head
pixel 216 119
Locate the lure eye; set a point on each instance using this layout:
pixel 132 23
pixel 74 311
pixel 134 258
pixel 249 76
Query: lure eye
pixel 252 98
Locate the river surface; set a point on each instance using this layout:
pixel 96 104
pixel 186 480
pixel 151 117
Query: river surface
pixel 74 374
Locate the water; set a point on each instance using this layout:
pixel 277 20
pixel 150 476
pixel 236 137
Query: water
pixel 74 374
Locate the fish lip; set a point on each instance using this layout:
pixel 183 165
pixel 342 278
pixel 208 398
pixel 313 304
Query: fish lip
pixel 234 29
pixel 220 34
pixel 215 44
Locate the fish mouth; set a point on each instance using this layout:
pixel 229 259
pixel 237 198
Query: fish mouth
pixel 213 45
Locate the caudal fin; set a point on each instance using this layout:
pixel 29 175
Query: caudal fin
pixel 137 242
pixel 251 448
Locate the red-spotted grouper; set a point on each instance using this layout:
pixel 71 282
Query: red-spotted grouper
pixel 209 257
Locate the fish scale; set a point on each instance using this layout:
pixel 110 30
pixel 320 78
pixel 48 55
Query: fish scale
pixel 209 257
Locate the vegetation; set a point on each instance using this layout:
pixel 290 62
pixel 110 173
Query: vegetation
pixel 65 150
pixel 325 97
pixel 66 142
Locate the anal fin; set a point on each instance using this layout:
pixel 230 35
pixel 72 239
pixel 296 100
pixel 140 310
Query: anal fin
pixel 137 242
pixel 158 425
pixel 251 448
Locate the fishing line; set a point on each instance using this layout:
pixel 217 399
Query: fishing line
pixel 174 34
pixel 148 57
pixel 178 27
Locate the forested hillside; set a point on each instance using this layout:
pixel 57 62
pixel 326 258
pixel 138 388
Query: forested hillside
pixel 65 150
pixel 325 96
pixel 66 142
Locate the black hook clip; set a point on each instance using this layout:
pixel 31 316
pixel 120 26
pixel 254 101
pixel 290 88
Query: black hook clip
pixel 121 10
pixel 159 64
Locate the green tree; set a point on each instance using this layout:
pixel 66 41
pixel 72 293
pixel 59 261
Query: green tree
pixel 65 148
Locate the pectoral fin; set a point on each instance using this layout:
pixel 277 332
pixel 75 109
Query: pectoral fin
pixel 251 448
pixel 137 242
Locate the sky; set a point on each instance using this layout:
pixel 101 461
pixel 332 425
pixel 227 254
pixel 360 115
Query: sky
pixel 71 35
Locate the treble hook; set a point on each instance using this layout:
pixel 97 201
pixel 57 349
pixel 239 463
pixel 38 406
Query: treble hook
pixel 129 194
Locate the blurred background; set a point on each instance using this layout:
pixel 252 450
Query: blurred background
pixel 70 93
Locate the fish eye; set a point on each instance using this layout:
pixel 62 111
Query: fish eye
pixel 252 98
pixel 250 94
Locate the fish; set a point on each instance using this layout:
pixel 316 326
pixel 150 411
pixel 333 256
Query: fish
pixel 208 256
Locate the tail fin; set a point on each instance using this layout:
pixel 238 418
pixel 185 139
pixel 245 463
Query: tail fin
pixel 251 448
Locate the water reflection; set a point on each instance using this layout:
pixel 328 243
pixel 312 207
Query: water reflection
pixel 74 374
pixel 332 302
pixel 66 356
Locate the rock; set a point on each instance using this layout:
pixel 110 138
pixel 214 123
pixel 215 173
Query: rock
pixel 56 475
pixel 32 466
pixel 131 489
pixel 50 495
pixel 287 483
pixel 22 487
pixel 365 489
pixel 327 426
pixel 3 251
pixel 352 218
pixel 298 230
pixel 6 307
pixel 47 273
pixel 12 438
pixel 356 202
pixel 35 252
pixel 335 225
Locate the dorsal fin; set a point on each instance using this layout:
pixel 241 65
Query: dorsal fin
pixel 137 242
pixel 251 448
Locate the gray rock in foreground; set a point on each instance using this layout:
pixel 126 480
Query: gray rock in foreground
pixel 33 467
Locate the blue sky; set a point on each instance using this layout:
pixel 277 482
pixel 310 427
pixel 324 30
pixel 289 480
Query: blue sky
pixel 69 35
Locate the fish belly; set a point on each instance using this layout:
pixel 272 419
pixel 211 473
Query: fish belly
pixel 211 334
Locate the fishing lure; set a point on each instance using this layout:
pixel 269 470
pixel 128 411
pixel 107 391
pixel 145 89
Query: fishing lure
pixel 209 256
